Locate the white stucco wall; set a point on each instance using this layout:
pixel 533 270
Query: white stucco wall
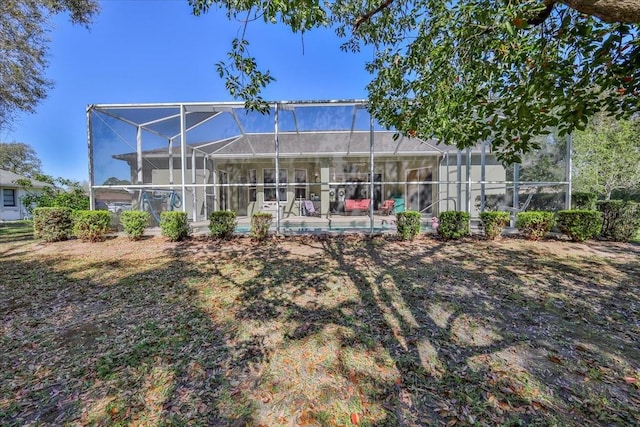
pixel 12 213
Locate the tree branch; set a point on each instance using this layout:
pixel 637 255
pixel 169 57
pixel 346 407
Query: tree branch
pixel 365 17
pixel 543 15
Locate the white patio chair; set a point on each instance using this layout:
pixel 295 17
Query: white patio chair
pixel 514 210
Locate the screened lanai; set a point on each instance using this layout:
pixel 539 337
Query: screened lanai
pixel 316 166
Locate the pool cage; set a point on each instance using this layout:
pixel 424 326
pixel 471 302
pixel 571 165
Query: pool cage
pixel 315 165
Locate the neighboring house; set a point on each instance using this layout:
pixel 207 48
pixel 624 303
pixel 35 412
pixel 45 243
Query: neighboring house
pixel 11 207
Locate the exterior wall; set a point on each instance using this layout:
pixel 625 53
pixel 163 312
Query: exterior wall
pixel 494 171
pixel 411 182
pixel 417 183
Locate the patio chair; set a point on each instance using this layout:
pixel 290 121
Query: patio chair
pixel 386 207
pixel 309 209
pixel 514 210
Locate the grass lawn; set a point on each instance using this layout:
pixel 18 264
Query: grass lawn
pixel 16 230
pixel 320 331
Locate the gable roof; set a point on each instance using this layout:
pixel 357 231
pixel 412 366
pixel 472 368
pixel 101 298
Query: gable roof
pixel 8 179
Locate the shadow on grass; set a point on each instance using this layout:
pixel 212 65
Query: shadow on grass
pixel 460 332
pixel 321 331
pixel 16 231
pixel 108 341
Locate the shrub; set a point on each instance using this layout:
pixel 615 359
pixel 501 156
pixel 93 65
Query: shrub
pixel 90 226
pixel 493 223
pixel 584 201
pixel 492 201
pixel 453 225
pixel 222 224
pixel 580 224
pixel 620 219
pixel 174 225
pixel 134 223
pixel 260 223
pixel 539 201
pixel 408 224
pixel 52 224
pixel 534 225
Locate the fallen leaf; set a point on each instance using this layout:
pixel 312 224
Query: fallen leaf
pixel 555 359
pixel 355 419
pixel 630 380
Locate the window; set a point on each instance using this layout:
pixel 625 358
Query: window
pixel 253 190
pixel 8 197
pixel 300 189
pixel 269 179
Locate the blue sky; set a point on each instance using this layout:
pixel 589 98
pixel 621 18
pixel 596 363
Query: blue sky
pixel 157 51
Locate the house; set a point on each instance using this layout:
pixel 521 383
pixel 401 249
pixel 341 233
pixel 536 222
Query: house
pixel 11 207
pixel 202 157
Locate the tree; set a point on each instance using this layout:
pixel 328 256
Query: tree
pixel 62 193
pixel 116 181
pixel 19 158
pixel 24 25
pixel 467 71
pixel 607 156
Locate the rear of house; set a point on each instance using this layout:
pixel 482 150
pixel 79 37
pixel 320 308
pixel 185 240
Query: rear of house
pixel 329 156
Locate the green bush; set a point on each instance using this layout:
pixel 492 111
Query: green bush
pixel 90 226
pixel 52 224
pixel 222 224
pixel 260 223
pixel 535 225
pixel 584 201
pixel 134 223
pixel 408 224
pixel 580 224
pixel 620 219
pixel 453 225
pixel 493 223
pixel 539 201
pixel 175 225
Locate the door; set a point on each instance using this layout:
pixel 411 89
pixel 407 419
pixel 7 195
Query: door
pixel 419 193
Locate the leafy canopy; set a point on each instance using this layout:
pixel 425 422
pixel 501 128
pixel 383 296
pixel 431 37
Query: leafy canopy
pixel 465 71
pixel 607 156
pixel 24 28
pixel 19 158
pixel 62 193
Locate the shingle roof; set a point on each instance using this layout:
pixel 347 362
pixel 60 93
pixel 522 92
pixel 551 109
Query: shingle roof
pixel 8 179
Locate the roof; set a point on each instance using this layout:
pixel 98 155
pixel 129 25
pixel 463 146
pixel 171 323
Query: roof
pixel 8 179
pixel 228 130
pixel 304 143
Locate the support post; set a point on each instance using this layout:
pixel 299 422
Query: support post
pixel 92 202
pixel 139 155
pixel 483 174
pixel 194 203
pixel 183 156
pixel 516 189
pixel 459 176
pixel 205 203
pixel 277 148
pixel 468 176
pixel 371 165
pixel 216 190
pixel 568 172
pixel 516 185
pixel 171 161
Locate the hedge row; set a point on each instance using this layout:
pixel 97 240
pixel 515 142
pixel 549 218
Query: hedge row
pixel 614 220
